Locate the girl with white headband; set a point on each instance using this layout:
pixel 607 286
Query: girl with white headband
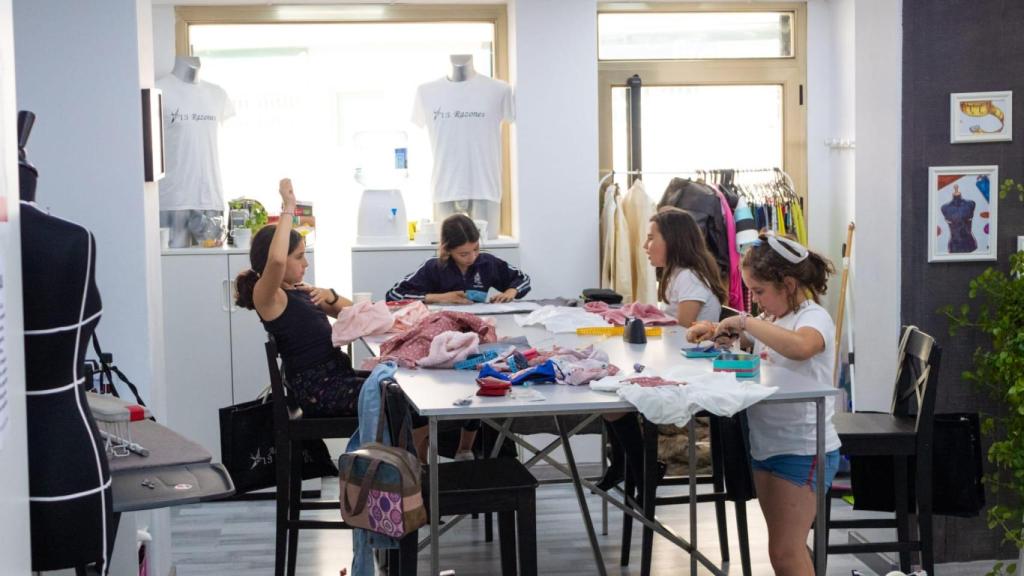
pixel 795 332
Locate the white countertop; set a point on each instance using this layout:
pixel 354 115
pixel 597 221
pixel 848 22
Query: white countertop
pixel 500 242
pixel 218 250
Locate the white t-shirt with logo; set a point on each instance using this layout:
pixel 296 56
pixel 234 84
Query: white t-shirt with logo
pixel 463 120
pixel 790 428
pixel 686 286
pixel 193 114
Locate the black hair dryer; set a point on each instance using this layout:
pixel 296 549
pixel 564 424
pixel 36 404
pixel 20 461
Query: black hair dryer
pixel 634 331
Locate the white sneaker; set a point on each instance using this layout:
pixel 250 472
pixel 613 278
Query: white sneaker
pixel 464 455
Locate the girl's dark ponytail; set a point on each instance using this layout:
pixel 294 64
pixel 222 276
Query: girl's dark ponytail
pixel 259 251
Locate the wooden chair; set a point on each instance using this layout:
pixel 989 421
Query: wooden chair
pixel 904 434
pixel 291 429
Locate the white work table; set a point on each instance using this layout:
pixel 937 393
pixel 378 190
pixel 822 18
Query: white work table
pixel 434 394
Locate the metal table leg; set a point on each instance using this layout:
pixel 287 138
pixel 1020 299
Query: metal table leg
pixel 582 499
pixel 692 470
pixel 820 527
pixel 435 514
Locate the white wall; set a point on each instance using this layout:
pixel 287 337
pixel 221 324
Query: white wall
pixel 554 71
pixel 15 548
pixel 80 67
pixel 878 103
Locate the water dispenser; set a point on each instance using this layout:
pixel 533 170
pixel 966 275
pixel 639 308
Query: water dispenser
pixel 381 168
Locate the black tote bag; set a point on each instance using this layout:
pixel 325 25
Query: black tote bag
pixel 248 452
pixel 957 488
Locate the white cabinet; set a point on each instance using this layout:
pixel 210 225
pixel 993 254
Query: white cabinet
pixel 213 349
pixel 376 269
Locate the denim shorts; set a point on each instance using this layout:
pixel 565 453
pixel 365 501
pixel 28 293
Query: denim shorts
pixel 800 470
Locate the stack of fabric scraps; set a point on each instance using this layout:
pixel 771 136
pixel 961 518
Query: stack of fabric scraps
pixel 719 393
pixel 649 313
pixel 547 371
pixel 410 347
pixel 361 319
pixel 581 366
pixel 561 319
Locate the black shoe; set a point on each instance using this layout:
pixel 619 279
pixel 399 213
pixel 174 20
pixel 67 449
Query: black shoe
pixel 612 477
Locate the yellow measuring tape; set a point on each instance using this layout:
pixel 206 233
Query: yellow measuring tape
pixel 980 109
pixel 614 331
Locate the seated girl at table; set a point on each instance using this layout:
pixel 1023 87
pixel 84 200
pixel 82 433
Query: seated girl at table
pixel 794 332
pixel 295 313
pixel 689 283
pixel 460 267
pixel 692 288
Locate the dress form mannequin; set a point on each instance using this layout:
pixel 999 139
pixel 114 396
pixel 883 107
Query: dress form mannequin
pixel 69 480
pixel 191 190
pixel 462 70
pixel 959 215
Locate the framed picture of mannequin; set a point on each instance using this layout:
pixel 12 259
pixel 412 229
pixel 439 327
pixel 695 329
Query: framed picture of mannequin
pixel 980 117
pixel 962 213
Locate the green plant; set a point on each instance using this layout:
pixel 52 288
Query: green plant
pixel 998 314
pixel 257 213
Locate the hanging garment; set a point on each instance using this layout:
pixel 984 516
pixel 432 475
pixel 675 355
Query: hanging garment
pixel 735 280
pixel 703 204
pixel 622 276
pixel 607 232
pixel 799 223
pixel 361 319
pixel 638 209
pixel 746 226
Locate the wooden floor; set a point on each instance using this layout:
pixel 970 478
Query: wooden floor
pixel 238 538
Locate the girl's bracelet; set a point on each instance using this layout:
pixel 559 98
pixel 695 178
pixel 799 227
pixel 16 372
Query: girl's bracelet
pixel 335 301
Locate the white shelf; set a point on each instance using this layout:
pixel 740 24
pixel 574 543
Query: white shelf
pixel 501 242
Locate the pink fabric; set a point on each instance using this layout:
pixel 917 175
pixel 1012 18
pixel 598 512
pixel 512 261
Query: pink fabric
pixel 652 381
pixel 409 315
pixel 447 348
pixel 361 319
pixel 408 347
pixel 735 280
pixel 649 313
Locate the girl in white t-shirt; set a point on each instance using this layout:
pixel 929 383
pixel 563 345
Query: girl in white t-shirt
pixel 690 283
pixel 794 332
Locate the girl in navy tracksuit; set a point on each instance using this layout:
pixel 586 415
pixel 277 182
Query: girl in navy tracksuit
pixel 459 267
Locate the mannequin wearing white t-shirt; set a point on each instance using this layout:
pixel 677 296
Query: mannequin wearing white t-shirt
pixel 483 103
pixel 190 193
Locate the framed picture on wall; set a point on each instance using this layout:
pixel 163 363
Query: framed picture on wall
pixel 980 117
pixel 962 213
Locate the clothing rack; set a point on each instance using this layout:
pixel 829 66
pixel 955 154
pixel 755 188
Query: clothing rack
pixel 702 174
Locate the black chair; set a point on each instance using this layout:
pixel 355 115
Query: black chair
pixel 291 429
pixel 904 435
pixel 731 479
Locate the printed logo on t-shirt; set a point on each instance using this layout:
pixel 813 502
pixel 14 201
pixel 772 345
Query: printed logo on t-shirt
pixel 477 282
pixel 178 116
pixel 440 114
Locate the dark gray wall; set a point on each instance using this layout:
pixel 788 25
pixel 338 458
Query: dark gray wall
pixel 956 46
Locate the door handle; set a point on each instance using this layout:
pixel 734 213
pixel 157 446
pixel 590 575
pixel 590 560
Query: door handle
pixel 232 288
pixel 225 288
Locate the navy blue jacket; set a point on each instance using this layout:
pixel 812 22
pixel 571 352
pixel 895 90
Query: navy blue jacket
pixel 436 277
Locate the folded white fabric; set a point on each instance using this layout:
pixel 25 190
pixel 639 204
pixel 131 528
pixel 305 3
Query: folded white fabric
pixel 561 319
pixel 608 383
pixel 717 392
